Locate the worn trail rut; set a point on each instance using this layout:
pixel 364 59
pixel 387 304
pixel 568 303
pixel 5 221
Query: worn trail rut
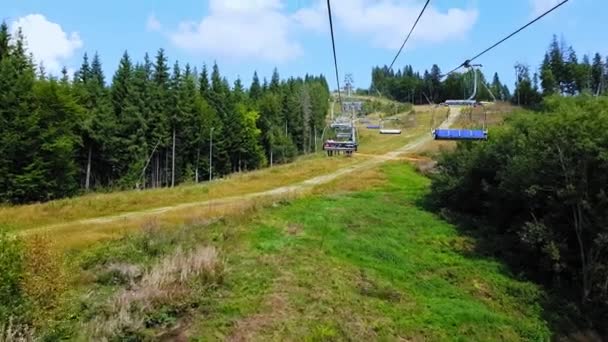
pixel 289 189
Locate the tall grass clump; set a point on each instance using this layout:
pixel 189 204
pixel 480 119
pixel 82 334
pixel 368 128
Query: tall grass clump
pixel 166 287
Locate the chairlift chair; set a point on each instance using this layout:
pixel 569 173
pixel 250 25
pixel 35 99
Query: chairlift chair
pixel 459 134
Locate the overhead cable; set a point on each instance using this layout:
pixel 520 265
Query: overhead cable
pixel 467 63
pixel 333 44
pixel 409 34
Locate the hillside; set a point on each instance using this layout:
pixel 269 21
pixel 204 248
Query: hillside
pixel 274 254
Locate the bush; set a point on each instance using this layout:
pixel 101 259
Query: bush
pixel 541 181
pixel 11 275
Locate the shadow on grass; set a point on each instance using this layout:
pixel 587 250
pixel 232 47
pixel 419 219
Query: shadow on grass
pixel 559 302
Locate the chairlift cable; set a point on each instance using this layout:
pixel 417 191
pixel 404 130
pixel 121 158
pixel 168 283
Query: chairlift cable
pixel 468 61
pixel 333 44
pixel 409 34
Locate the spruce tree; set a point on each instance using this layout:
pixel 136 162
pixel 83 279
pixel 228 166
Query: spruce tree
pixel 275 81
pixel 597 71
pixel 204 87
pixel 5 38
pixel 556 61
pixel 255 91
pixel 548 81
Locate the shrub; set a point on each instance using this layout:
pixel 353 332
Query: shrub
pixel 11 276
pixel 541 182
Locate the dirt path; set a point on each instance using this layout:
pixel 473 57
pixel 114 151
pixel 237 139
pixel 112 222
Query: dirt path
pixel 290 189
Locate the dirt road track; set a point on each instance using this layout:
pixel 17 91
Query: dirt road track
pixel 290 189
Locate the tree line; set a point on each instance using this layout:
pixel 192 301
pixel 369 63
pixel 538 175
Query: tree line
pixel 562 73
pixel 152 126
pixel 430 87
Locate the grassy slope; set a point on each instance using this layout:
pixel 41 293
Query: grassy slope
pixel 98 205
pixel 369 264
pixel 412 126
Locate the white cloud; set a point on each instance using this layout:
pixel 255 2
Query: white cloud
pixel 152 24
pixel 387 22
pixel 240 29
pixel 47 41
pixel 313 18
pixel 262 29
pixel 540 6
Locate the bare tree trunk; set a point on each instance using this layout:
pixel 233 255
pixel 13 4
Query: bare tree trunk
pixel 166 168
pixel 173 161
pixel 153 171
pixel 577 216
pixel 158 173
pixel 314 130
pixel 198 157
pixel 271 156
pixel 88 179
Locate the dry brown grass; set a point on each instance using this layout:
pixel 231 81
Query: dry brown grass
pixel 44 277
pixel 98 205
pixel 412 126
pixel 474 118
pixel 13 332
pixel 82 235
pixel 165 283
pixel 366 179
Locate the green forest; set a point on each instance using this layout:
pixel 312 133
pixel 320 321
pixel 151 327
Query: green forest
pixel 560 72
pixel 151 126
pixel 534 194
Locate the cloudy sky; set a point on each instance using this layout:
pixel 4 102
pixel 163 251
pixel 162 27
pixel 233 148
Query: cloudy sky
pixel 293 35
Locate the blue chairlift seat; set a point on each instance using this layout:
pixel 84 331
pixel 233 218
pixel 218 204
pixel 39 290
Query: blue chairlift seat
pixel 460 134
pixel 373 127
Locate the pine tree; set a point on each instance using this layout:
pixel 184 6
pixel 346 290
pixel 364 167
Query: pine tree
pixel 129 150
pixel 190 135
pixel 41 71
pixel 275 82
pixel 52 172
pixel 18 132
pixel 159 122
pixel 143 102
pixel 204 87
pixel 306 110
pixel 96 73
pixel 255 91
pixel 238 91
pixel 5 38
pixel 571 70
pixel 37 139
pixel 65 78
pixel 497 87
pixel 556 61
pixel 223 135
pixel 548 80
pixel 583 75
pixel 597 71
pixel 177 113
pixel 96 130
pixel 84 73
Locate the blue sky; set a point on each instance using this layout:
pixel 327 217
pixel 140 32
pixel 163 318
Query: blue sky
pixel 247 35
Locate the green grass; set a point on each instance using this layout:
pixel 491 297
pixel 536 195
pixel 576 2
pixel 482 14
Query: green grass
pixel 363 265
pixel 369 265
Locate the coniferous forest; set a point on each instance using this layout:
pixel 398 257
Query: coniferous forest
pixel 151 125
pixel 560 73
